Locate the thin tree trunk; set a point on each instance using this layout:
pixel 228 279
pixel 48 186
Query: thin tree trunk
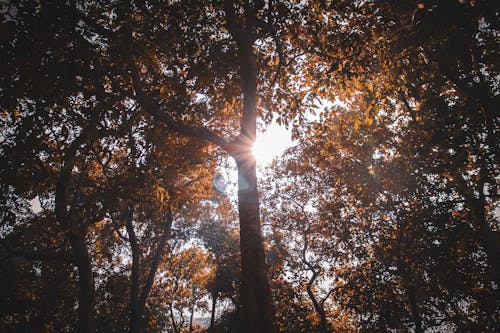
pixel 172 318
pixel 138 303
pixel 212 313
pixel 135 316
pixel 86 286
pixel 191 316
pixel 317 306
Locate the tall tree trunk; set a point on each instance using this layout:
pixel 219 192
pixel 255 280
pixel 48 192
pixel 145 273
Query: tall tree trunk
pixel 256 299
pixel 318 306
pixel 255 291
pixel 257 303
pixel 172 318
pixel 191 317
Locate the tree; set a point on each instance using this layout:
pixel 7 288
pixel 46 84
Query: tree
pixel 222 243
pixel 114 117
pixel 406 119
pixel 96 36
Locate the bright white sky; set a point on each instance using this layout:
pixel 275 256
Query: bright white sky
pixel 271 143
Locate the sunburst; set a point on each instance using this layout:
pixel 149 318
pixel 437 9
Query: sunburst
pixel 271 144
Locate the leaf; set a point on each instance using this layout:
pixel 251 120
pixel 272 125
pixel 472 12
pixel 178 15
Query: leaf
pixel 357 124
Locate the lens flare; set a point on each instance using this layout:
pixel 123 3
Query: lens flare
pixel 219 183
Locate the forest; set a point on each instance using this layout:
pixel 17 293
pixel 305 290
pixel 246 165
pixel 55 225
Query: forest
pixel 132 198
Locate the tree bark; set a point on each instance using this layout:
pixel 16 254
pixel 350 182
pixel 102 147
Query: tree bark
pixel 255 291
pixel 172 318
pixel 318 306
pixel 191 315
pixel 257 303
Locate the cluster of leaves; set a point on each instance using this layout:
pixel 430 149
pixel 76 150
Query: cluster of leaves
pixel 386 211
pixel 383 217
pixel 135 189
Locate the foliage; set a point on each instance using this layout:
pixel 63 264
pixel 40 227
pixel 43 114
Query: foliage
pixel 115 118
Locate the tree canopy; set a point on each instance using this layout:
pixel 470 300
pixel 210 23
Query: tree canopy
pixel 119 122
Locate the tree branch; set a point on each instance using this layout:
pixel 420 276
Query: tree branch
pixel 187 130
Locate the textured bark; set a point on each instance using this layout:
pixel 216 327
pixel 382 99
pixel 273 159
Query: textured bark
pixel 255 291
pixel 256 299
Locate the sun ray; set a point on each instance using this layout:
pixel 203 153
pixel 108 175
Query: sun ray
pixel 271 144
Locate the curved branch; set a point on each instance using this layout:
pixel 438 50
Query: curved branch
pixel 187 130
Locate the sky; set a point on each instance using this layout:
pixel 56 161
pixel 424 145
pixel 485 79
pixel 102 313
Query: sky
pixel 271 143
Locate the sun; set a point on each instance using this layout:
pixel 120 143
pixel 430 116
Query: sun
pixel 271 144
